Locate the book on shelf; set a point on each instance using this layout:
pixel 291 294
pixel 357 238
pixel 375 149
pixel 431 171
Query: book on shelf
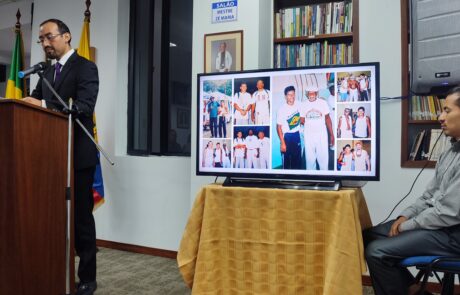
pixel 316 19
pixel 319 53
pixel 429 144
pixel 425 107
pixel 416 150
pixel 439 143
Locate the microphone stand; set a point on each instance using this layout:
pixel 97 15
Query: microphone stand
pixel 68 192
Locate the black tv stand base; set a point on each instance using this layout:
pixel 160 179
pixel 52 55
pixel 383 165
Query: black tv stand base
pixel 285 184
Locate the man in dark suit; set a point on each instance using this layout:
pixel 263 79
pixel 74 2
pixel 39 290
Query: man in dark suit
pixel 74 77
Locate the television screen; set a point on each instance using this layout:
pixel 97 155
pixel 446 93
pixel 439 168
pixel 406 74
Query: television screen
pixel 299 123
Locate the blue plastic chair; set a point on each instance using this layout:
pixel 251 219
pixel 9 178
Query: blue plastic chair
pixel 430 265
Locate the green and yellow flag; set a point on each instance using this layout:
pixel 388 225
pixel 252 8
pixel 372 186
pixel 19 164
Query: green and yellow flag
pixel 16 88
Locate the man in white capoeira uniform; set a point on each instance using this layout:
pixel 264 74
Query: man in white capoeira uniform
pixel 314 115
pixel 363 86
pixel 264 151
pixel 239 150
pixel 226 155
pixel 343 89
pixel 242 102
pixel 353 87
pixel 252 145
pixel 208 156
pixel 218 156
pixel 361 158
pixel 261 106
pixel 345 124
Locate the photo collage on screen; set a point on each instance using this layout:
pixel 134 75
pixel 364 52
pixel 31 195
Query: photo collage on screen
pixel 236 123
pixel 320 122
pixel 217 124
pixel 354 121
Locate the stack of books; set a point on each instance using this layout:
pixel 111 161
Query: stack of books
pixel 429 145
pixel 311 20
pixel 425 107
pixel 320 53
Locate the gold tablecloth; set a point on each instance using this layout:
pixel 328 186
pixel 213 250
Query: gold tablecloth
pixel 274 241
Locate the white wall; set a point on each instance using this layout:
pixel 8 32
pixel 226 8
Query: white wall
pixel 257 48
pixel 8 13
pixel 7 35
pixel 147 198
pixel 380 40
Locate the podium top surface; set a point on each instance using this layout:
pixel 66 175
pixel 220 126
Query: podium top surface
pixel 21 103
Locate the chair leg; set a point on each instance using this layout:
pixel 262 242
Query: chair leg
pixel 448 284
pixel 424 282
pixel 419 276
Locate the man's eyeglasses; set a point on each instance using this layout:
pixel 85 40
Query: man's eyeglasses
pixel 48 37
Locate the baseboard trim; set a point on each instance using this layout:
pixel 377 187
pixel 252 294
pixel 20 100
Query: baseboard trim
pixel 431 287
pixel 137 249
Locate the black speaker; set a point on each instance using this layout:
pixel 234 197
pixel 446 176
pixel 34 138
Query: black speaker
pixel 435 45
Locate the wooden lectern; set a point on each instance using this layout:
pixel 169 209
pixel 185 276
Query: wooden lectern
pixel 33 168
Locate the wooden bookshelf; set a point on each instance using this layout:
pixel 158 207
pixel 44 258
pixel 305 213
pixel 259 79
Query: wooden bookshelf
pixel 419 164
pixel 333 38
pixel 321 37
pixel 422 122
pixel 410 127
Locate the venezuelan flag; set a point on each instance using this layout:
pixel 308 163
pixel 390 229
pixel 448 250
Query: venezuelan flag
pixel 98 184
pixel 15 88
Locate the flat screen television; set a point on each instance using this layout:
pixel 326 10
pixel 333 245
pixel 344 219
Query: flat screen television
pixel 310 123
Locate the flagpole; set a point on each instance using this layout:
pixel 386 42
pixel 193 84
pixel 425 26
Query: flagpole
pixel 15 87
pixel 87 11
pixel 68 199
pixel 84 50
pixel 18 31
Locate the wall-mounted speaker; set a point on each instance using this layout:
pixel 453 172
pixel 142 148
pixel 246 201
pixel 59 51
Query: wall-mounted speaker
pixel 435 45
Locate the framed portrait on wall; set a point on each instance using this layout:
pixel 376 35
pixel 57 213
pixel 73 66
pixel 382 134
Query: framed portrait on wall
pixel 223 52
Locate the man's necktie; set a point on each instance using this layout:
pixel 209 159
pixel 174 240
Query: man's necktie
pixel 57 68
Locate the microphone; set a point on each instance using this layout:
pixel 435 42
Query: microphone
pixel 32 70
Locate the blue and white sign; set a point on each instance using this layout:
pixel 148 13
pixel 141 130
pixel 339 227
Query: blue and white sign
pixel 225 11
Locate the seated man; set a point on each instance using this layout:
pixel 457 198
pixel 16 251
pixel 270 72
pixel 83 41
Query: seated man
pixel 431 226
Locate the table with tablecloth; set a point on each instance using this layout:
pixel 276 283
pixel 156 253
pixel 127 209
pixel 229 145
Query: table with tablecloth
pixel 274 241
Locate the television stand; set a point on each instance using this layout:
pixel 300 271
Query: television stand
pixel 284 184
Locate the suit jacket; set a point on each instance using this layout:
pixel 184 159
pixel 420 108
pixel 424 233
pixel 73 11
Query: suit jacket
pixel 79 80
